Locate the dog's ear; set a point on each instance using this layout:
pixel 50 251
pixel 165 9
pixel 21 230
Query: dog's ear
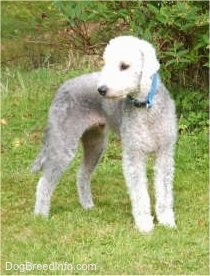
pixel 150 64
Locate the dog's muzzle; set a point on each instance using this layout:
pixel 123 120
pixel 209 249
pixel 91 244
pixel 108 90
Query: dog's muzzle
pixel 102 90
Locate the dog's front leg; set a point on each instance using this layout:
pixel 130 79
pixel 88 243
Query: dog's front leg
pixel 135 174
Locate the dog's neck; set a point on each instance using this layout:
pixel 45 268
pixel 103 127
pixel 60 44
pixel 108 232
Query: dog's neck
pixel 145 96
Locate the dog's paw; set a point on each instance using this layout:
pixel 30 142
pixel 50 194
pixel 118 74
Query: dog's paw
pixel 39 213
pixel 145 224
pixel 41 210
pixel 166 218
pixel 87 205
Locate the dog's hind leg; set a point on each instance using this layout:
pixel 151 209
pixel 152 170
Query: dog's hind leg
pixel 59 151
pixel 94 142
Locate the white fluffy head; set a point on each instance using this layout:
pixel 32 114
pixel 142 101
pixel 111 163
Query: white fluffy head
pixel 129 65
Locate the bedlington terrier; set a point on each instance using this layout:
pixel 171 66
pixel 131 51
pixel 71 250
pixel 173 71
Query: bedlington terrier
pixel 129 97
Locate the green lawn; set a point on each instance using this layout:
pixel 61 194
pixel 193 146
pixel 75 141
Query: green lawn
pixel 105 236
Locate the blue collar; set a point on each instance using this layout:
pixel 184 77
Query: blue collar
pixel 149 99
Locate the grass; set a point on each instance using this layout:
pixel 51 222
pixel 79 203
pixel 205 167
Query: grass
pixel 106 235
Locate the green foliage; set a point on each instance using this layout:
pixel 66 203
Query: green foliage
pixel 192 110
pixel 27 19
pixel 26 38
pixel 178 28
pixel 91 23
pixel 73 34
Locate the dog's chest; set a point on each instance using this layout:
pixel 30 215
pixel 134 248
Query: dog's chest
pixel 113 112
pixel 138 130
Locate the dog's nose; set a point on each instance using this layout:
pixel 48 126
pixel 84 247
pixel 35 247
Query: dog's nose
pixel 103 90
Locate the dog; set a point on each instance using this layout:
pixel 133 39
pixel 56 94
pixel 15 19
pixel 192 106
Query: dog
pixel 129 97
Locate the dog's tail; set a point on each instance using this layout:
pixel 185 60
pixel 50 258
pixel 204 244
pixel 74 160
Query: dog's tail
pixel 39 161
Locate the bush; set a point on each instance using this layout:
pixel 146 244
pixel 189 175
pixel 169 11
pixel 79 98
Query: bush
pixel 74 34
pixel 192 108
pixel 48 30
pixel 179 29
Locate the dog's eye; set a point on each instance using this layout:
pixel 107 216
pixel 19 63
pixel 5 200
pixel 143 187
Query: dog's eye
pixel 124 66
